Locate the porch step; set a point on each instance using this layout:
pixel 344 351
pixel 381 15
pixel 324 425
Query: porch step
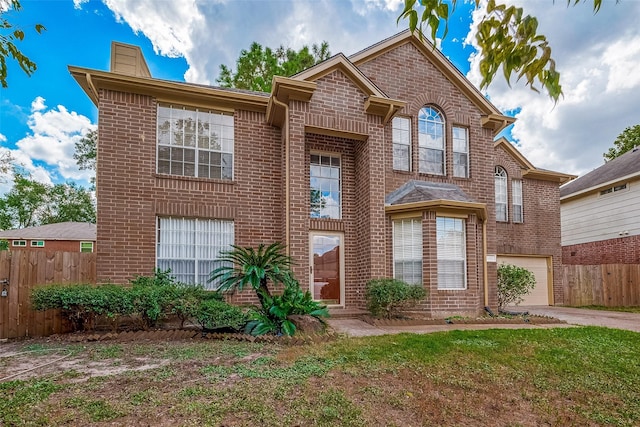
pixel 346 313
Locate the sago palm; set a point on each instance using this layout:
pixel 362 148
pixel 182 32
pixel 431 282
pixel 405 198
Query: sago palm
pixel 253 267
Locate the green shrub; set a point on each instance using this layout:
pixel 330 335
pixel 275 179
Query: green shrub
pixel 274 318
pixel 386 296
pixel 153 297
pixel 187 304
pixel 513 284
pixel 215 314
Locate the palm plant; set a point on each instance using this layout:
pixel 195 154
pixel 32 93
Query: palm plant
pixel 244 267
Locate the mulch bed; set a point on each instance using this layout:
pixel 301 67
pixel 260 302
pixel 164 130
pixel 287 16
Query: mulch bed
pixel 535 320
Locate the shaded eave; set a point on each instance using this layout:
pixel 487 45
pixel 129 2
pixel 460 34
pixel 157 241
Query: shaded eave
pixel 302 85
pixel 440 205
pixel 531 171
pixel 92 81
pixel 492 117
pixel 596 188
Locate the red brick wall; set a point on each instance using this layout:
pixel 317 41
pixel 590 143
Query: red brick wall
pixel 539 234
pixel 622 250
pixel 50 245
pixel 132 195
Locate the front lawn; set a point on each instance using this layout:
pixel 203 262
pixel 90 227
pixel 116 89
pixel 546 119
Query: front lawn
pixel 555 377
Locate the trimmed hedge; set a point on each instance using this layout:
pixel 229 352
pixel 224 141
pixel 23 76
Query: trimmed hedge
pixel 385 297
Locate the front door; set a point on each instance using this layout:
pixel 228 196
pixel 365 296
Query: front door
pixel 327 273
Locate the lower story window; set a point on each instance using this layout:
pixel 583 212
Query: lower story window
pixel 191 247
pixel 21 243
pixel 86 247
pixel 407 250
pixel 452 253
pixel 37 243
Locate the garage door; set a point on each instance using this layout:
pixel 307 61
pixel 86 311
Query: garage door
pixel 538 266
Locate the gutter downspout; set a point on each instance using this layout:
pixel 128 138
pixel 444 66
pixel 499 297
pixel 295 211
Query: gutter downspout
pixel 484 263
pixel 287 183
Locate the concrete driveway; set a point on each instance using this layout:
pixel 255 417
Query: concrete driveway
pixel 584 317
pixel 573 316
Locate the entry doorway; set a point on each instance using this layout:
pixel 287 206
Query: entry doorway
pixel 326 260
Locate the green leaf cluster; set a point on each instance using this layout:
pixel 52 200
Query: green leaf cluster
pixel 513 284
pixel 214 314
pixel 31 203
pixel 256 67
pixel 508 40
pixel 386 297
pixel 9 36
pixel 626 141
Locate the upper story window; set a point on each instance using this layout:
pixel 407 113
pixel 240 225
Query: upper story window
pixel 20 243
pixel 401 129
pixel 326 197
pixel 86 246
pixel 37 243
pixel 194 142
pixel 431 131
pixel 501 193
pixel 516 196
pixel 460 152
pixel 613 189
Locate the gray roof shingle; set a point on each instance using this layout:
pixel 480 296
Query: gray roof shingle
pixel 422 191
pixel 59 231
pixel 625 165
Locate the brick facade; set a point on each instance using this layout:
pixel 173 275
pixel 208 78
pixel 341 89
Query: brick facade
pixel 269 202
pixel 623 250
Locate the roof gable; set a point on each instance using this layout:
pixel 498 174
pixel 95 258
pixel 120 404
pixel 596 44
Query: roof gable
pixel 530 171
pixel 621 168
pixel 493 118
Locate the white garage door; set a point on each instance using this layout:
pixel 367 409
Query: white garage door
pixel 538 266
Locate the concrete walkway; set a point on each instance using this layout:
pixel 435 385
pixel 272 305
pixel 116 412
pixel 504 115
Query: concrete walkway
pixel 573 316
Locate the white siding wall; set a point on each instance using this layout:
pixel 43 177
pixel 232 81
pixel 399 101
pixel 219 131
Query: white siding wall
pixel 594 217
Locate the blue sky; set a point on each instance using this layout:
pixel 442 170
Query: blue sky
pixel 187 40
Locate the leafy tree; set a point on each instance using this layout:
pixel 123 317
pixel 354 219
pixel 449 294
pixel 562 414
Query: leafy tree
pixel 85 154
pixel 5 163
pixel 30 203
pixel 626 141
pixel 508 40
pixel 513 284
pixel 256 67
pixel 9 36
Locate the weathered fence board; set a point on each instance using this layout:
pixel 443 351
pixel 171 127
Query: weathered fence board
pixel 27 269
pixel 610 285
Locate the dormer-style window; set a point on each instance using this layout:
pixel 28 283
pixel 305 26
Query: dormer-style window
pixel 195 142
pixel 431 137
pixel 500 176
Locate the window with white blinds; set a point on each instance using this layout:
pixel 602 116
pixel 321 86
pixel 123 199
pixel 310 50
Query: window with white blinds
pixel 516 195
pixel 452 253
pixel 401 130
pixel 500 179
pixel 407 250
pixel 191 247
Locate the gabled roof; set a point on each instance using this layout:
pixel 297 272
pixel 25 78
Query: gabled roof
pixel 528 170
pixel 417 195
pixel 620 169
pixel 60 231
pixel 493 117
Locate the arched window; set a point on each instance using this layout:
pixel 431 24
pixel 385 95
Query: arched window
pixel 431 144
pixel 500 176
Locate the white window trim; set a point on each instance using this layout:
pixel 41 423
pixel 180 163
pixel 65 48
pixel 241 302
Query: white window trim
pixel 84 243
pixel 466 134
pixel 503 178
pixel 19 243
pixel 464 260
pixel 516 196
pixel 394 142
pixel 35 244
pixel 334 155
pixel 395 255
pixel 425 147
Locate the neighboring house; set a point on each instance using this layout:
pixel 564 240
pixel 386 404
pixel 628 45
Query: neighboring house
pixel 381 164
pixel 600 221
pixel 63 236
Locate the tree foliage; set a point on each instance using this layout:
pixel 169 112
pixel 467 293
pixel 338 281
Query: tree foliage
pixel 626 141
pixel 256 67
pixel 30 203
pixel 85 153
pixel 508 39
pixel 9 36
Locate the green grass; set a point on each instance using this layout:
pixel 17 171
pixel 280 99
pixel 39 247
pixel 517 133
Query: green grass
pixel 602 307
pixel 563 376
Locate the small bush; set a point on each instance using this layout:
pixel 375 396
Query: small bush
pixel 386 296
pixel 188 301
pixel 215 314
pixel 153 296
pixel 513 284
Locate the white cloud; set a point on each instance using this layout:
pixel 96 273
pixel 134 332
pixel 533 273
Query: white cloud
pixel 597 56
pixel 77 4
pixel 49 146
pixel 3 138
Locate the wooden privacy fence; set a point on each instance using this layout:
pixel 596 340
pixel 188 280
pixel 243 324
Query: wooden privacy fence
pixel 25 269
pixel 611 285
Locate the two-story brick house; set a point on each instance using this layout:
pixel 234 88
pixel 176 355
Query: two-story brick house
pixel 382 164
